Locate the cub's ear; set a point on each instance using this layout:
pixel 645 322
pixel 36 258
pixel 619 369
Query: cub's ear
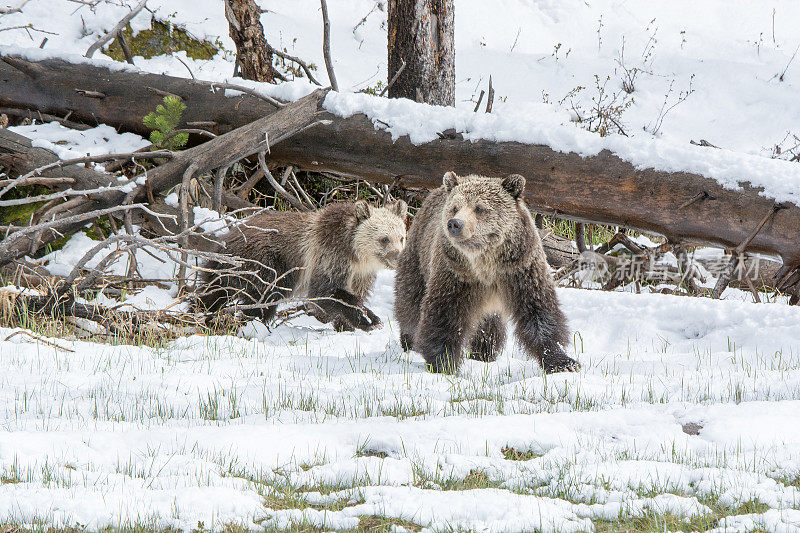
pixel 363 210
pixel 399 208
pixel 514 184
pixel 449 180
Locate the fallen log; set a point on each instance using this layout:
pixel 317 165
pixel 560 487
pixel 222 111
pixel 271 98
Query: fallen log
pixel 684 207
pixel 261 135
pixel 97 95
pixel 18 156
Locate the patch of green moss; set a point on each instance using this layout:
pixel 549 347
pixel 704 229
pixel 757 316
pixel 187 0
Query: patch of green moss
pixel 99 230
pixel 162 38
pixel 21 214
pixel 18 214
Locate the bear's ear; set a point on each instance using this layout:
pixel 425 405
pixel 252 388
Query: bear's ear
pixel 449 180
pixel 514 184
pixel 399 208
pixel 363 210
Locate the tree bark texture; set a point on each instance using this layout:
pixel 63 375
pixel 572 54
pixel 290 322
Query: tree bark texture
pixel 253 54
pixel 96 95
pixel 421 34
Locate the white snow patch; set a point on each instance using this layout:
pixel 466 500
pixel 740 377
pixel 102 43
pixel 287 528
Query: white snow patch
pixel 67 143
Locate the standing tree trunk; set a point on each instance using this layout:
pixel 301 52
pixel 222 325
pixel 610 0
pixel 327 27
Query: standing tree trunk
pixel 253 54
pixel 421 35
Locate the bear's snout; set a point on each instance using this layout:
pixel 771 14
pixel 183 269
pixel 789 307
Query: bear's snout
pixel 454 226
pixel 389 258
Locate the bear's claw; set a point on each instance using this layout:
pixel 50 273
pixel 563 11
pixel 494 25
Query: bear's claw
pixel 561 365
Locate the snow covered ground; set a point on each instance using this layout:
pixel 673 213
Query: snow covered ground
pixel 303 426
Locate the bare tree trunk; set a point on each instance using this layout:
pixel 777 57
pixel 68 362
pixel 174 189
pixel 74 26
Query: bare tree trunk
pixel 421 34
pixel 253 54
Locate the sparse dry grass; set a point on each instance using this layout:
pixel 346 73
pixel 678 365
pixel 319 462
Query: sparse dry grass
pixel 658 523
pixel 514 455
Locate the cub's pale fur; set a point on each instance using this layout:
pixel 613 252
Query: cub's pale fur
pixel 473 259
pixel 330 256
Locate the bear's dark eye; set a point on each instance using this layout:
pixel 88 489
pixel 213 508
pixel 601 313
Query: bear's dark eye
pixel 479 210
pixel 454 211
pixel 384 240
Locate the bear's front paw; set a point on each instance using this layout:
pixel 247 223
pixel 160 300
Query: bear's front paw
pixel 367 320
pixel 316 311
pixel 341 324
pixel 561 364
pixel 442 365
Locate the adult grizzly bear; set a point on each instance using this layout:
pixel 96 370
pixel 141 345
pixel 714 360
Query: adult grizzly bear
pixel 330 256
pixel 474 257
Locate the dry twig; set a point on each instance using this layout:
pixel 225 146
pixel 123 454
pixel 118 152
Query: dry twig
pixel 38 338
pixel 251 92
pixel 286 195
pixel 326 45
pixel 394 78
pixel 88 159
pixel 15 9
pixel 303 64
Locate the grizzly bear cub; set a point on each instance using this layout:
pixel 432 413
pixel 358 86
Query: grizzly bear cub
pixel 474 257
pixel 330 256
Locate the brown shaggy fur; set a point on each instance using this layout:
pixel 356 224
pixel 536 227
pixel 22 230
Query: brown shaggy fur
pixel 473 258
pixel 330 256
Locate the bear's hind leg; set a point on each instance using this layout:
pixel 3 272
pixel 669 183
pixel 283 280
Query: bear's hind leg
pixel 270 283
pixel 213 290
pixel 265 307
pixel 489 339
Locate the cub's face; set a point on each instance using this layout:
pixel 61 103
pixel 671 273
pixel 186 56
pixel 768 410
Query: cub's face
pixel 381 234
pixel 479 212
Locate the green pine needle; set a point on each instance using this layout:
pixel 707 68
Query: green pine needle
pixel 164 121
